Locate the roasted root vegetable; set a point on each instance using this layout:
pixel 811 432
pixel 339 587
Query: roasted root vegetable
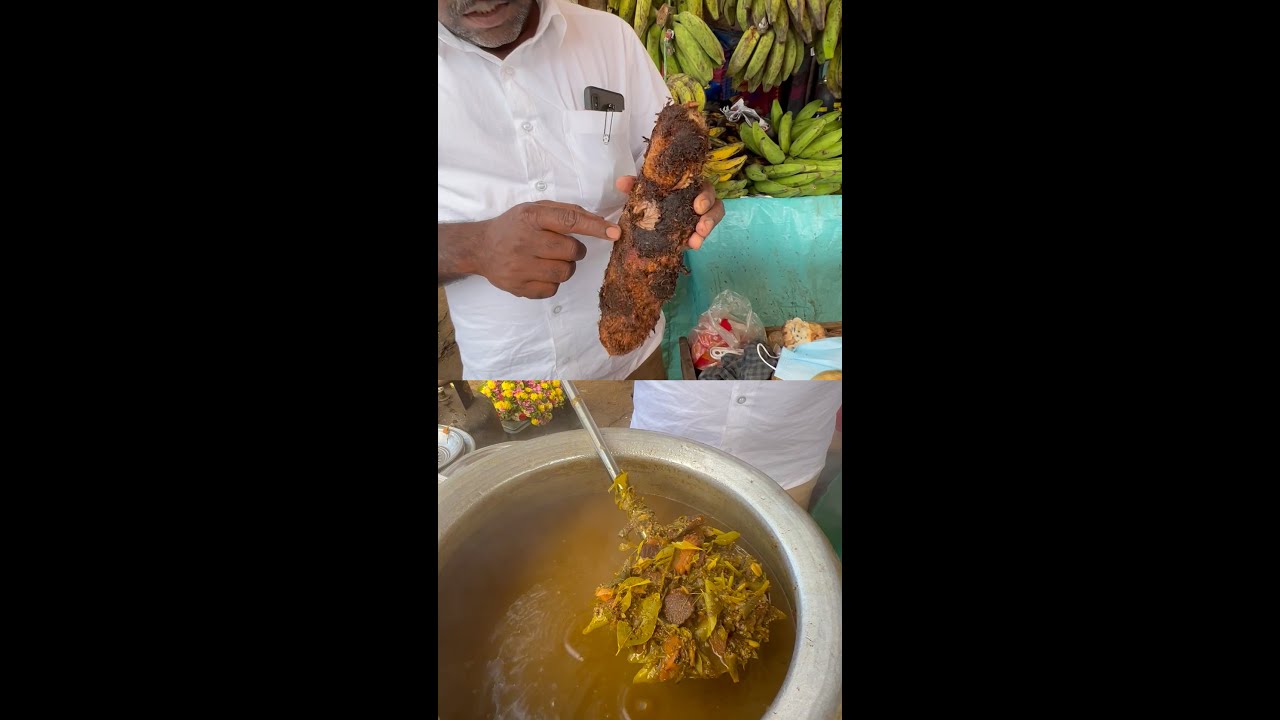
pixel 689 601
pixel 656 222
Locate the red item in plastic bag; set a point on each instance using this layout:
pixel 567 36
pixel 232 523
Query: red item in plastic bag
pixel 728 323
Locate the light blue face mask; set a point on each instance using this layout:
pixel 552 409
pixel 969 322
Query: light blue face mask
pixel 810 359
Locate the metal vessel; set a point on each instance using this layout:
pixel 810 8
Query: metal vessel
pixel 741 497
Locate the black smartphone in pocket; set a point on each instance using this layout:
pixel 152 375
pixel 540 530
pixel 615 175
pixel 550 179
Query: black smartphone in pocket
pixel 595 98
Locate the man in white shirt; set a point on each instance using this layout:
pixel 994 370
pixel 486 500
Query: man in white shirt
pixel 782 429
pixel 530 191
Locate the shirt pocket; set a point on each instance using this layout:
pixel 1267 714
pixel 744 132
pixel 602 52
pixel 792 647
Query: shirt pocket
pixel 596 164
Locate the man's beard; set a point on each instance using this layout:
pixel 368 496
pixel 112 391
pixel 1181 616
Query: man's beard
pixel 492 37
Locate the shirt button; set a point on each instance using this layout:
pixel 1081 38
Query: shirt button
pixel 540 185
pixel 527 127
pixel 742 400
pixel 507 72
pixel 556 310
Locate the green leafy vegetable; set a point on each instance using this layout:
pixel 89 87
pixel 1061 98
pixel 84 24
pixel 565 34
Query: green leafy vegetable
pixel 648 619
pixel 726 538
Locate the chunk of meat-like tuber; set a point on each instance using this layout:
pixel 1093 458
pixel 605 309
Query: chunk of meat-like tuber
pixel 656 222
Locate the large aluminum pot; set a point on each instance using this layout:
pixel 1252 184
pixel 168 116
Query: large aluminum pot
pixel 738 495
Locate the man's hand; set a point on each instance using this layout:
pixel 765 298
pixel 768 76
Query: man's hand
pixel 527 250
pixel 706 204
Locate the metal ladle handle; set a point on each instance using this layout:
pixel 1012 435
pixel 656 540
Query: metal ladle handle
pixel 589 424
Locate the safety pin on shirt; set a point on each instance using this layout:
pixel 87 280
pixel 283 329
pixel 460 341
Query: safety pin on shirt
pixel 608 122
pixel 607 102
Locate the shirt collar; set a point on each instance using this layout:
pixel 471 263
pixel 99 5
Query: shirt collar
pixel 551 24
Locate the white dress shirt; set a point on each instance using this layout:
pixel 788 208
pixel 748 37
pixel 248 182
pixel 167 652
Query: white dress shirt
pixel 515 131
pixel 782 428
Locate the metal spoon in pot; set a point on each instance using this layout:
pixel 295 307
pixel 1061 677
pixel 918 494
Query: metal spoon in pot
pixel 593 431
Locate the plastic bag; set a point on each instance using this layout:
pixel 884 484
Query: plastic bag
pixel 739 112
pixel 728 323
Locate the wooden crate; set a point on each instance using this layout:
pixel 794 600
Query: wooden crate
pixel 687 371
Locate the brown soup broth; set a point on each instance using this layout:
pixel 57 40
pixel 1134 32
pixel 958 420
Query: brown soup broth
pixel 512 605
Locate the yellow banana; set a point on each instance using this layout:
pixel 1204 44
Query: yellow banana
pixel 727 166
pixel 715 132
pixel 695 93
pixel 725 152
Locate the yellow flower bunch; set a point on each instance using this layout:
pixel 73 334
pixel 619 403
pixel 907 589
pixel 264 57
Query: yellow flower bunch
pixel 531 400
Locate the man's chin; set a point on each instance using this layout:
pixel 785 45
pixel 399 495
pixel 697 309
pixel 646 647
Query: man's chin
pixel 490 40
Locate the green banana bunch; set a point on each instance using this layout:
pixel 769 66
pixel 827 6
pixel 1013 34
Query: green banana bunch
pixel 811 133
pixel 821 144
pixel 754 71
pixel 803 161
pixel 697 48
pixel 773 66
pixel 702 35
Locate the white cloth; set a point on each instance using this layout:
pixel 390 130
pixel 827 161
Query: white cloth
pixel 782 428
pixel 515 131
